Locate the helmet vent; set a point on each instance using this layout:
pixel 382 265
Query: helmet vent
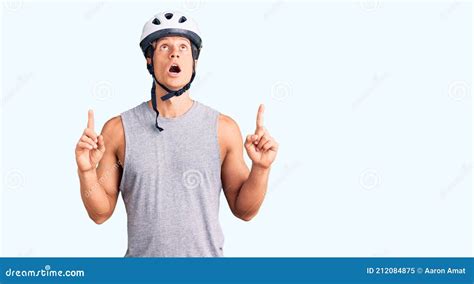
pixel 182 19
pixel 156 21
pixel 168 16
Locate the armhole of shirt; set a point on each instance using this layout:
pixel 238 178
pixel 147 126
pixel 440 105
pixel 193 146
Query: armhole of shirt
pixel 218 146
pixel 125 155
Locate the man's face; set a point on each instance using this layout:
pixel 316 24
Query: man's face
pixel 173 61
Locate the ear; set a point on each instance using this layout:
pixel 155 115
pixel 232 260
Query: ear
pixel 148 60
pixel 195 64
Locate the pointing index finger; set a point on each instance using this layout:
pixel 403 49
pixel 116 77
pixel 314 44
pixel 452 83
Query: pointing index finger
pixel 261 108
pixel 90 120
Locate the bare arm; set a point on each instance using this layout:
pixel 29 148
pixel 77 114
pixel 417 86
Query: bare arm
pixel 244 190
pixel 99 169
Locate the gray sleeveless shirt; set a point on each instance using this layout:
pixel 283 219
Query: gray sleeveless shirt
pixel 171 183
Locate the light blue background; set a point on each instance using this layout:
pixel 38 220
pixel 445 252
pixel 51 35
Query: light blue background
pixel 370 101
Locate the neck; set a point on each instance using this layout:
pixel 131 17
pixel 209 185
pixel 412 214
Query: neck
pixel 173 107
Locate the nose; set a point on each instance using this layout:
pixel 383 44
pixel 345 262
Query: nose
pixel 174 53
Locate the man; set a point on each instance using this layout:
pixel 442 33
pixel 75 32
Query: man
pixel 171 156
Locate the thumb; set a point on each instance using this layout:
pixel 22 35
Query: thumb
pixel 248 141
pixel 101 144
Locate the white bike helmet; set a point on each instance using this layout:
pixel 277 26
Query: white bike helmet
pixel 170 24
pixel 163 25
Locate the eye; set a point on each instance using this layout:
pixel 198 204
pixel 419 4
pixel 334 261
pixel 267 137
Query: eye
pixel 164 47
pixel 183 47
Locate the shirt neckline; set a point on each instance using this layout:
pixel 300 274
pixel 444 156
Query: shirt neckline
pixel 170 119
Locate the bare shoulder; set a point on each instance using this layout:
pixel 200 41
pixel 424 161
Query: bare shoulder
pixel 113 125
pixel 228 126
pixel 113 132
pixel 229 132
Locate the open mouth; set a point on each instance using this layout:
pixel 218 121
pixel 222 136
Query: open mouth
pixel 174 68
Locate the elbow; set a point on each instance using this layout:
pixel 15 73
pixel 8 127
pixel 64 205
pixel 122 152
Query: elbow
pixel 245 217
pixel 246 213
pixel 100 215
pixel 100 219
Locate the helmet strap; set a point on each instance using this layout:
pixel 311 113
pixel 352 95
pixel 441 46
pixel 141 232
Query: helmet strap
pixel 170 93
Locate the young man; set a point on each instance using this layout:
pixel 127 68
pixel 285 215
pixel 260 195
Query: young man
pixel 171 156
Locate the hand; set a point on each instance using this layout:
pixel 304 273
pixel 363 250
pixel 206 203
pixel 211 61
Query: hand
pixel 90 148
pixel 261 147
